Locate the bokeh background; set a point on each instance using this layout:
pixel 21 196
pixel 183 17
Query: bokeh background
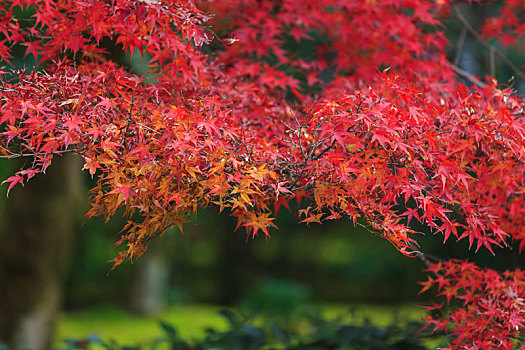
pixel 53 261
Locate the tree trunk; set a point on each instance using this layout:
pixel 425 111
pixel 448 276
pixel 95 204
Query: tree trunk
pixel 150 282
pixel 35 244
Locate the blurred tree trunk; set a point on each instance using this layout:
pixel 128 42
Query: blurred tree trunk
pixel 35 244
pixel 237 270
pixel 150 282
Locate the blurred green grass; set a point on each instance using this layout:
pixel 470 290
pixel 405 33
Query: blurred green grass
pixel 380 315
pixel 111 323
pixel 192 320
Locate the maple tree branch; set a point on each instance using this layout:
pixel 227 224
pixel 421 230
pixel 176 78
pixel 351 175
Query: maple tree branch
pixel 484 43
pixel 129 119
pixel 326 149
pixel 426 260
pixel 20 155
pixel 470 77
pixel 423 258
pixel 380 99
pixel 299 177
pixel 459 44
pixel 299 132
pixel 132 103
pixel 147 127
pixel 492 62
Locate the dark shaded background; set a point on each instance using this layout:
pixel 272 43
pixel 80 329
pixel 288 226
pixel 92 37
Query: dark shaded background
pixel 48 245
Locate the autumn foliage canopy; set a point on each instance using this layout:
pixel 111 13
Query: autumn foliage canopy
pixel 353 105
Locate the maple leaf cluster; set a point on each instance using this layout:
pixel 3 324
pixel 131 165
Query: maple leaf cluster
pixel 508 27
pixel 236 116
pixel 491 313
pixel 437 156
